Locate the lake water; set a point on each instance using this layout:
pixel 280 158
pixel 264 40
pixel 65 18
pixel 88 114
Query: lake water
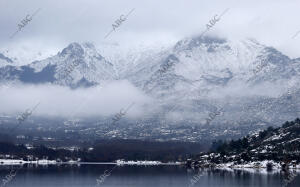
pixel 141 176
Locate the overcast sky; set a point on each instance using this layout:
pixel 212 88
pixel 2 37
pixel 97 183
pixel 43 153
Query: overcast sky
pixel 160 22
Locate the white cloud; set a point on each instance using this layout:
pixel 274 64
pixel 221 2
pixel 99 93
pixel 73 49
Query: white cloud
pixel 64 102
pixel 271 22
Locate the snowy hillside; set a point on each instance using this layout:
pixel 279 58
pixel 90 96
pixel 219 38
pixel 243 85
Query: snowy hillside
pixel 274 147
pixel 76 65
pixel 253 84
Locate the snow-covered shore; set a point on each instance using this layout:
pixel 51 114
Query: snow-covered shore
pixel 265 164
pixel 145 163
pixel 53 162
pixel 260 164
pixel 38 162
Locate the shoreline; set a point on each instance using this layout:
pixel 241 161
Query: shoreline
pixel 10 162
pixel 227 166
pixel 265 164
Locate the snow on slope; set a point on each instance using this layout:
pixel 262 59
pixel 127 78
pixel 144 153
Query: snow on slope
pixel 74 64
pixel 4 60
pixel 197 74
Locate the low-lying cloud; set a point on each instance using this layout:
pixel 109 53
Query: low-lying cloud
pixel 64 102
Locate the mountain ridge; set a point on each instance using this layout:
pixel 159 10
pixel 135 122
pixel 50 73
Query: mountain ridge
pixel 188 81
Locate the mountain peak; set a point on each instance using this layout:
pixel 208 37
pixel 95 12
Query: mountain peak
pixel 73 49
pixel 88 45
pixel 79 50
pixel 190 43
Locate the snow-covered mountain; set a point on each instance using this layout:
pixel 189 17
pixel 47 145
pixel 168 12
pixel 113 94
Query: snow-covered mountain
pixel 76 65
pixel 251 82
pixel 215 63
pixel 4 60
pixel 24 53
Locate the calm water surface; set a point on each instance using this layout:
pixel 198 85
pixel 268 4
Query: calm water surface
pixel 141 176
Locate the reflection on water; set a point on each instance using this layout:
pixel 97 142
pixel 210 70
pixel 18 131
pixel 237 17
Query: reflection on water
pixel 145 176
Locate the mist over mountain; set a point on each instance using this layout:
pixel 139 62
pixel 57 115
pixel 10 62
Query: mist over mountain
pixel 4 60
pixel 254 85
